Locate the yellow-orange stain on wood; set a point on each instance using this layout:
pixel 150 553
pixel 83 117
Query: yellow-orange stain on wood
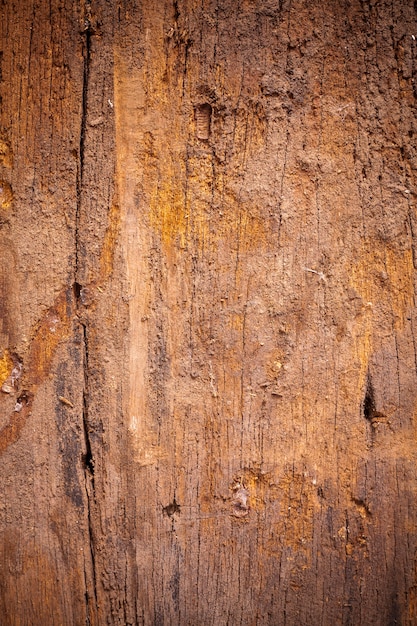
pixel 258 486
pixel 168 214
pixel 254 230
pixel 274 364
pixel 6 195
pixel 6 158
pixel 51 329
pixel 237 322
pixel 384 278
pixel 6 366
pixel 176 175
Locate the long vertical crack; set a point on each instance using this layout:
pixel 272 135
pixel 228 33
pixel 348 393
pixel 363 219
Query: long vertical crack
pixel 88 460
pixel 81 151
pixel 88 463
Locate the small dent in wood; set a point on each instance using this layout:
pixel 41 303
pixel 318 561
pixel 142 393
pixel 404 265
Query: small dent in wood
pixel 240 500
pixel 362 507
pixel 203 121
pixel 83 295
pixel 371 414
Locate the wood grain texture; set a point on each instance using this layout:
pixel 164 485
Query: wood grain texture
pixel 45 547
pixel 214 315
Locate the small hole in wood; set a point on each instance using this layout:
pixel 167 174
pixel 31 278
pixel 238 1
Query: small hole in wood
pixel 203 121
pixel 77 290
pixel 172 509
pixel 369 402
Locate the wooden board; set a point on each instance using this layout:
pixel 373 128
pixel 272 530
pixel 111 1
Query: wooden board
pixel 207 359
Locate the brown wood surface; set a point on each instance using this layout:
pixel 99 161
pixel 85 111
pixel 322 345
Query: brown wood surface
pixel 207 317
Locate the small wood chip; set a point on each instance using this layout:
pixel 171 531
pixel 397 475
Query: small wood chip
pixel 66 401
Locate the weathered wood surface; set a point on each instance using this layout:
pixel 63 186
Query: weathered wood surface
pixel 207 225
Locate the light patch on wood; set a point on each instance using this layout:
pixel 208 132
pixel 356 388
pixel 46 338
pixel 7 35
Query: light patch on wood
pixel 390 268
pixel 129 99
pixel 109 244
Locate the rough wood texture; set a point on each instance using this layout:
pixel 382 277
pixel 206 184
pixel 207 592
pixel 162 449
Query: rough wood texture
pixel 208 326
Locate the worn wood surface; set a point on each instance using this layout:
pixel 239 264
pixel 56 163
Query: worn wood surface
pixel 207 319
